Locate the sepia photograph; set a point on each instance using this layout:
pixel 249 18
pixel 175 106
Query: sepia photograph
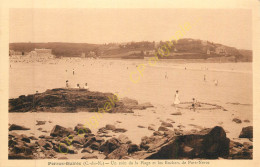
pixel 130 84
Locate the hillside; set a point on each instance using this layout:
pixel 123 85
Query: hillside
pixel 182 49
pixel 58 48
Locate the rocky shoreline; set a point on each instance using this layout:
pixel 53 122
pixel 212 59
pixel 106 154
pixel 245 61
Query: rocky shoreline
pixel 167 141
pixel 74 100
pixel 163 144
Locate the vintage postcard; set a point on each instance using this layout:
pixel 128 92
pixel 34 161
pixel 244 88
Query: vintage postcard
pixel 128 86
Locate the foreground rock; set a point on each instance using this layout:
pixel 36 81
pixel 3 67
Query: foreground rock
pixel 133 104
pixel 89 157
pixel 73 100
pixel 236 120
pixel 20 147
pixel 60 131
pixel 241 151
pixel 208 144
pixel 17 127
pixel 246 132
pixel 176 113
pixel 163 144
pixel 40 122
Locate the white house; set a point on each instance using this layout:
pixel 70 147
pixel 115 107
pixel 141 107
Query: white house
pixel 41 54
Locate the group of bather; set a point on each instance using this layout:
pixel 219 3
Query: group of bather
pixel 85 86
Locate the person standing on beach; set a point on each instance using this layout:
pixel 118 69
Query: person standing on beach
pixel 67 84
pixel 216 82
pixel 193 104
pixel 78 86
pixel 166 76
pixel 204 78
pixel 73 72
pixel 176 99
pixel 86 86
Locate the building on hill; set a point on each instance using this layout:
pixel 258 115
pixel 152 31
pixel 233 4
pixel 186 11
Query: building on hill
pixel 92 54
pixel 222 59
pixel 41 54
pixel 221 50
pixel 83 55
pixel 16 53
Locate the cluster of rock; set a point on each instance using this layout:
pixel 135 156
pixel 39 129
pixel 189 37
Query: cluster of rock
pixel 163 144
pixel 243 150
pixel 67 141
pixel 73 100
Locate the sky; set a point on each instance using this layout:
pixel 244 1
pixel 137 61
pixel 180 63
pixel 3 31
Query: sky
pixel 232 27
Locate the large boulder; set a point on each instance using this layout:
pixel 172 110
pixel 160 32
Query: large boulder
pixel 150 143
pixel 63 148
pixel 89 141
pixel 123 139
pixel 95 145
pixel 237 120
pixel 166 124
pixel 133 148
pixel 45 144
pixel 163 128
pixel 81 129
pixel 247 132
pixel 79 140
pixel 215 143
pixel 25 138
pixel 68 100
pixel 133 104
pixel 241 151
pixel 110 127
pixel 110 145
pixel 20 147
pixel 151 128
pixel 209 144
pixel 17 127
pixel 60 131
pixel 119 153
pixel 40 122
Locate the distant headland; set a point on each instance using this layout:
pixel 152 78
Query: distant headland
pixel 182 49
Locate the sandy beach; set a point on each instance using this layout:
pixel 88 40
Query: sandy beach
pixel 233 93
